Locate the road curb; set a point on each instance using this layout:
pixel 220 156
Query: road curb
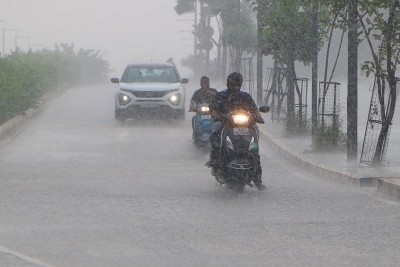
pixel 18 120
pixel 332 174
pixel 389 186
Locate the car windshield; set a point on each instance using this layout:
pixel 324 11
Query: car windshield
pixel 150 75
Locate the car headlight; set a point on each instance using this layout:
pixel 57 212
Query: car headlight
pixel 240 119
pixel 175 100
pixel 123 99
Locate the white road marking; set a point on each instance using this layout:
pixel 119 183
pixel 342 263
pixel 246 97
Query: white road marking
pixel 25 257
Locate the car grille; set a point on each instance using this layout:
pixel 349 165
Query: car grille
pixel 146 101
pixel 149 94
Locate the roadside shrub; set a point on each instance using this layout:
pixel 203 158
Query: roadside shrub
pixel 297 127
pixel 25 77
pixel 329 139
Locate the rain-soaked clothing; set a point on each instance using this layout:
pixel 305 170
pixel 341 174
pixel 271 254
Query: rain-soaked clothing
pixel 228 100
pixel 203 96
pixel 200 96
pixel 224 102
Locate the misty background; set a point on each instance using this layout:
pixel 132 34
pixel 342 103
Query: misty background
pixel 133 31
pixel 125 31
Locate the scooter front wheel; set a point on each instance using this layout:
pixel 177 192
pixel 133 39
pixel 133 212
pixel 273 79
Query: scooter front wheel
pixel 236 179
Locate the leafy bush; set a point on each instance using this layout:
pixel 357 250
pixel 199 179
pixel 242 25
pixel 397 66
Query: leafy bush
pixel 25 77
pixel 296 127
pixel 329 139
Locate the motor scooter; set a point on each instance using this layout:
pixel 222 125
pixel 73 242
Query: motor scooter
pixel 202 124
pixel 239 155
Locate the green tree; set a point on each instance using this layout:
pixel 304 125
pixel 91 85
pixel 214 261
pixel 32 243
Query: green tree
pixel 238 31
pixel 380 22
pixel 287 37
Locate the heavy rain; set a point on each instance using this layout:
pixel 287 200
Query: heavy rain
pixel 125 141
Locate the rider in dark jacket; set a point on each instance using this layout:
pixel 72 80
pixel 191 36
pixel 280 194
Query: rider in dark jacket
pixel 203 95
pixel 224 102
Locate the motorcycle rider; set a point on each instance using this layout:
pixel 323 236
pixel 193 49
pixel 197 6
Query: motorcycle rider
pixel 203 95
pixel 224 102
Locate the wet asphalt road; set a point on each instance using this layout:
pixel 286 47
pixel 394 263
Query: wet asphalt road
pixel 79 189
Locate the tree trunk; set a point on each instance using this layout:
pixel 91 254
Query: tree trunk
pixel 290 92
pixel 272 89
pixel 224 63
pixel 261 10
pixel 238 57
pixel 392 81
pixel 352 86
pixel 314 82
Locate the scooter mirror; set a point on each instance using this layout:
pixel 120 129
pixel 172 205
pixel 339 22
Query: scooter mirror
pixel 264 109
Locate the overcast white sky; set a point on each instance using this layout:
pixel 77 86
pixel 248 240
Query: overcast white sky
pixel 125 31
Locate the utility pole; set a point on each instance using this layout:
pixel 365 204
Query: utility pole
pixel 352 84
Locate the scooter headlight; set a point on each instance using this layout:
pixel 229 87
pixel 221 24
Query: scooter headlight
pixel 205 109
pixel 229 143
pixel 240 119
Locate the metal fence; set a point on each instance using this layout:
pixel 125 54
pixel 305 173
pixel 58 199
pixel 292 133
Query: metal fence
pixel 300 100
pixel 377 111
pixel 328 103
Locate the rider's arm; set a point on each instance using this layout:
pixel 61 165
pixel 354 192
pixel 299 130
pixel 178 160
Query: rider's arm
pixel 257 117
pixel 210 92
pixel 215 115
pixel 194 100
pixel 191 106
pixel 254 110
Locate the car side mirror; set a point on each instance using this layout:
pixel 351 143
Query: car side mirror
pixel 264 109
pixel 114 80
pixel 185 80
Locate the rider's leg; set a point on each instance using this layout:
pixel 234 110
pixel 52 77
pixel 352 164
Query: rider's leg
pixel 215 139
pixel 258 170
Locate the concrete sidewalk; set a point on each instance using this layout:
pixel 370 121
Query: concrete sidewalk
pixel 333 166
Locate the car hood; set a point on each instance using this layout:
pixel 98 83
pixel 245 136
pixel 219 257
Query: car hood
pixel 149 86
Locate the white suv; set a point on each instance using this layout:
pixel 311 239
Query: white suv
pixel 149 88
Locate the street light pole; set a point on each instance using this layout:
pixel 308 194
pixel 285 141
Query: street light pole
pixel 4 30
pixel 20 37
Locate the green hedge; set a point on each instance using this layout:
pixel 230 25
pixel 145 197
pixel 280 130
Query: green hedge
pixel 25 77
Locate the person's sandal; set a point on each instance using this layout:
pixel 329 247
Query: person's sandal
pixel 260 186
pixel 211 163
